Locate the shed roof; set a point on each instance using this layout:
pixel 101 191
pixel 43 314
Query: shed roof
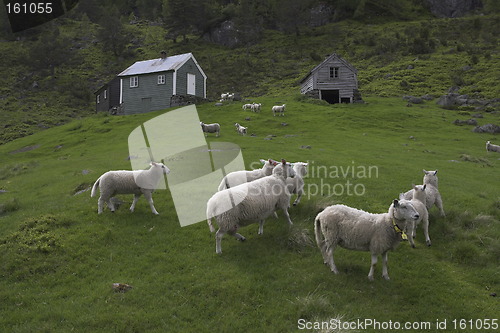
pixel 171 63
pixel 327 59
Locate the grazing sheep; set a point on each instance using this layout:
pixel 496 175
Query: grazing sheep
pixel 296 185
pixel 432 195
pixel 247 106
pixel 249 202
pixel 240 129
pixel 492 147
pixel 418 201
pixel 210 128
pixel 355 229
pixel 235 178
pixel 129 182
pixel 279 109
pixel 256 107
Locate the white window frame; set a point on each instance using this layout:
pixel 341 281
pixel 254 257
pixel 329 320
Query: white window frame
pixel 98 99
pixel 334 72
pixel 134 81
pixel 106 94
pixel 162 79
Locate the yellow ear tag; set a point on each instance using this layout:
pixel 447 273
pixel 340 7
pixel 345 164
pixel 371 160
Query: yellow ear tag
pixel 404 236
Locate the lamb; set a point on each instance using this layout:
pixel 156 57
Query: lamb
pixel 355 229
pixel 210 128
pixel 418 201
pixel 247 106
pixel 129 182
pixel 432 195
pixel 235 178
pixel 296 185
pixel 279 109
pixel 256 107
pixel 249 202
pixel 492 147
pixel 240 129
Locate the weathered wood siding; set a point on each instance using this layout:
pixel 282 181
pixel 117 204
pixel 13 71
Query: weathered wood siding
pixel 320 78
pixel 148 95
pixel 181 77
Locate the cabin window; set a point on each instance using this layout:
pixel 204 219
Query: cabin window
pixel 105 94
pixel 134 81
pixel 161 79
pixel 334 72
pixel 98 99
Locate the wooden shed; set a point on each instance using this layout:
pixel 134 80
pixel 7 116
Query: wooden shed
pixel 334 80
pixel 154 85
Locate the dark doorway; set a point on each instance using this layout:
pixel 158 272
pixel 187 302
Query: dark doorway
pixel 331 96
pixel 345 100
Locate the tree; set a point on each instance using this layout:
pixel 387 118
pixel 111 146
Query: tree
pixel 112 33
pixel 50 51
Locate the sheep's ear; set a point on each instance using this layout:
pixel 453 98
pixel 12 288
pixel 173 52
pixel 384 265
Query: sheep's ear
pixel 396 203
pixel 262 161
pixel 425 185
pixel 401 196
pixel 283 161
pixel 435 172
pixel 425 171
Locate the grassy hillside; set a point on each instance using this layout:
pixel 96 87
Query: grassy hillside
pixel 58 258
pixel 393 58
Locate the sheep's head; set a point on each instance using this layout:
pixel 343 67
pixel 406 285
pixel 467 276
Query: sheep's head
pixel 300 168
pixel 430 177
pixel 419 192
pixel 164 169
pixel 283 170
pixel 403 210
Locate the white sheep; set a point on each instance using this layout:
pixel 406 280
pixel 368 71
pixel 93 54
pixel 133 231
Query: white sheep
pixel 235 178
pixel 295 185
pixel 355 229
pixel 256 107
pixel 279 109
pixel 432 195
pixel 249 202
pixel 492 147
pixel 241 129
pixel 210 128
pixel 418 201
pixel 247 106
pixel 135 182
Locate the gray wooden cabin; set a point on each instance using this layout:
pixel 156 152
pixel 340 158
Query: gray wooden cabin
pixel 108 96
pixel 157 84
pixel 334 80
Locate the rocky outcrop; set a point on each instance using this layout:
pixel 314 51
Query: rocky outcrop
pixel 453 8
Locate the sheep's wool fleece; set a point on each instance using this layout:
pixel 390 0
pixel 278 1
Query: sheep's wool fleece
pixel 356 229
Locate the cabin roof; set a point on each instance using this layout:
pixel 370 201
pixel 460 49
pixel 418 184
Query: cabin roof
pixel 327 59
pixel 171 63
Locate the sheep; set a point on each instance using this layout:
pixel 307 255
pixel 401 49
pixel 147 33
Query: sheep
pixel 492 147
pixel 296 185
pixel 210 128
pixel 249 202
pixel 235 178
pixel 240 129
pixel 279 109
pixel 256 107
pixel 129 182
pixel 355 229
pixel 418 201
pixel 247 106
pixel 432 195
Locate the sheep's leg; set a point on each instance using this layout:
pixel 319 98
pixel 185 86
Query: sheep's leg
pixel 287 216
pixel 412 234
pixel 425 222
pixel 111 205
pixel 149 198
pixel 372 268
pixel 297 200
pixel 134 202
pixel 261 226
pixel 439 204
pixel 329 258
pixel 218 238
pixel 100 204
pixel 385 274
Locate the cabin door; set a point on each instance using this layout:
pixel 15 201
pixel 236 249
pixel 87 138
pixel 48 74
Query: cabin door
pixel 146 104
pixel 331 96
pixel 191 84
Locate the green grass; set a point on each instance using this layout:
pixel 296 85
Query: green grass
pixel 58 258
